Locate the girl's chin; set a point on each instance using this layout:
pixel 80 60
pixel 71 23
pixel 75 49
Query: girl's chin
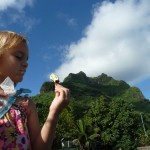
pixel 17 80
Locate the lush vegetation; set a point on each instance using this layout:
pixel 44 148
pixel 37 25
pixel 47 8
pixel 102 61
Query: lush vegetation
pixel 103 113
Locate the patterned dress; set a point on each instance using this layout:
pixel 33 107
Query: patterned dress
pixel 13 127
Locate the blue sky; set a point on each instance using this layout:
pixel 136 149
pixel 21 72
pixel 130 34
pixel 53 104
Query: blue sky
pixel 95 36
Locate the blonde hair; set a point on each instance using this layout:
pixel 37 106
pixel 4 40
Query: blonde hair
pixel 9 39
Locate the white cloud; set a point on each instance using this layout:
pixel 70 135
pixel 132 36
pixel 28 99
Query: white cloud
pixel 13 12
pixel 15 4
pixel 117 42
pixel 70 21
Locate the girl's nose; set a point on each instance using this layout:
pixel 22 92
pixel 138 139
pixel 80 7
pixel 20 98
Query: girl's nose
pixel 25 64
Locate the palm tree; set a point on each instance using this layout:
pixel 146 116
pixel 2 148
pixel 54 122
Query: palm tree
pixel 86 136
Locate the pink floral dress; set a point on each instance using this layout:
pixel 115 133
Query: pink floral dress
pixel 13 127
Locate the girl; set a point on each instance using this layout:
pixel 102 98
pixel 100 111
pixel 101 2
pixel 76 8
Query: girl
pixel 19 124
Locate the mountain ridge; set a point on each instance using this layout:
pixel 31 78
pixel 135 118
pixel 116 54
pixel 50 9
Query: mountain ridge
pixel 81 85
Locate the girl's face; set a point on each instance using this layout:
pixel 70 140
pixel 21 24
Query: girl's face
pixel 13 63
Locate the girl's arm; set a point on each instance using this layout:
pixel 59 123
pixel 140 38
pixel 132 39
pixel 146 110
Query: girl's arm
pixel 43 138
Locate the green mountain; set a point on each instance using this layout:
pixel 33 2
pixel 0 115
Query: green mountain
pixel 82 87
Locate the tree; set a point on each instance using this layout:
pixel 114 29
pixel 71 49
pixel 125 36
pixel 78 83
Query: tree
pixel 124 124
pixel 65 127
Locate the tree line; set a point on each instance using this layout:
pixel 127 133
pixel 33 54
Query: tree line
pixel 92 123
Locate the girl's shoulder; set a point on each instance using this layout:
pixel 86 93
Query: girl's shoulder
pixel 26 103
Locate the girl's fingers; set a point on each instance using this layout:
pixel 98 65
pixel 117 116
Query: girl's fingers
pixel 61 100
pixel 62 92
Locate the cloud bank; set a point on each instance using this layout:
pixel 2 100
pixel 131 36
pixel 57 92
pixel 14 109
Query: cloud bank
pixel 116 42
pixel 15 4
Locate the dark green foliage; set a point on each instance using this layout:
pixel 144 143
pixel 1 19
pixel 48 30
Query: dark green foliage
pixel 133 94
pixel 46 87
pixel 103 112
pixel 123 120
pixel 65 127
pixel 43 102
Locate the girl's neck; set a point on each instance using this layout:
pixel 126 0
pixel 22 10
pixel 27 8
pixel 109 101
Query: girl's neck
pixel 2 92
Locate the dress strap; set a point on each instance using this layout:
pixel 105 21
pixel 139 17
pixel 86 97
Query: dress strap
pixel 10 100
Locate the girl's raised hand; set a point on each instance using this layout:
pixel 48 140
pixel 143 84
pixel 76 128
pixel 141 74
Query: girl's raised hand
pixel 61 100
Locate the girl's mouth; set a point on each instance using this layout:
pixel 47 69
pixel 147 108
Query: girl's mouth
pixel 22 72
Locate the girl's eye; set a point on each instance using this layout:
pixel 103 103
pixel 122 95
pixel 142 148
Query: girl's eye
pixel 19 56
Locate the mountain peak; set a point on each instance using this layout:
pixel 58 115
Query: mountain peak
pixel 79 77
